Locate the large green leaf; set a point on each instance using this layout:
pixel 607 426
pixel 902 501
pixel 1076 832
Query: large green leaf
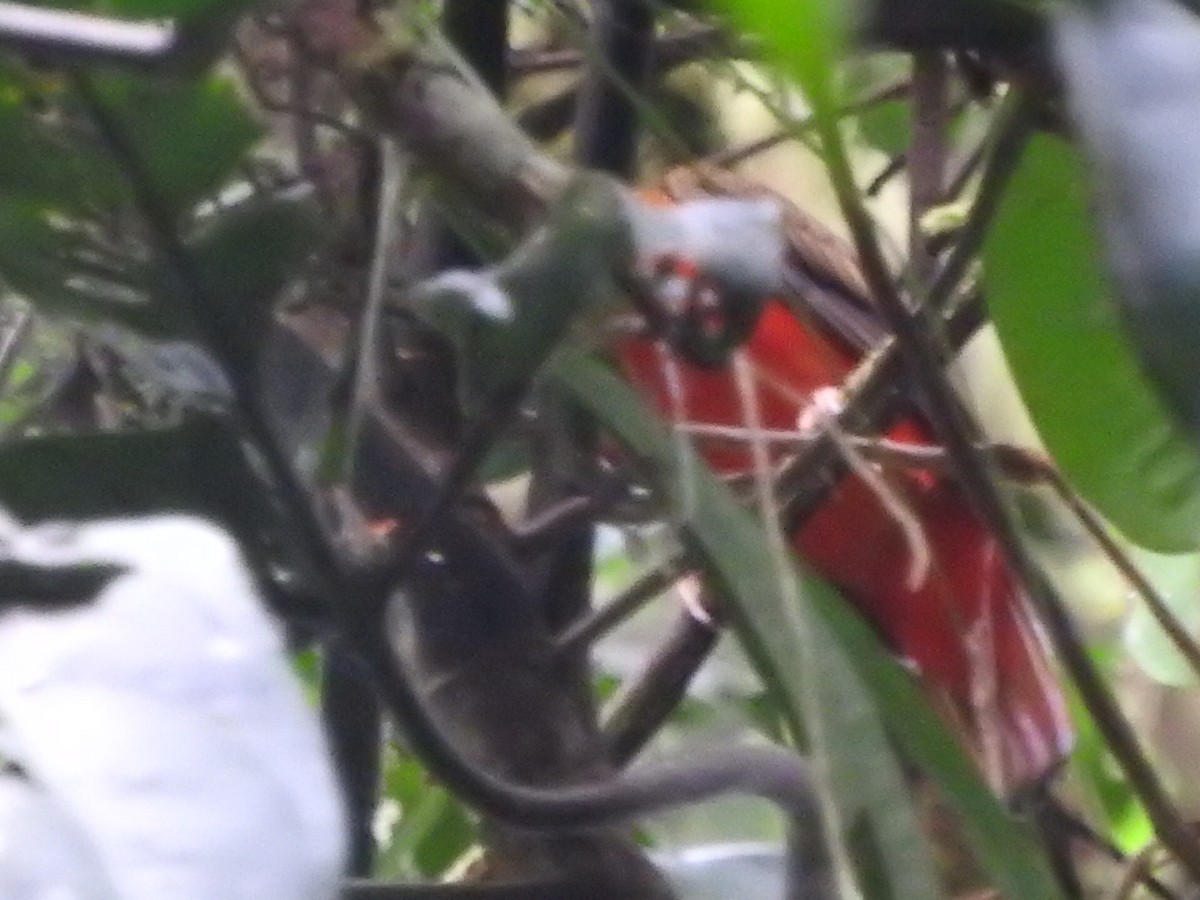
pixel 1132 73
pixel 805 35
pixel 868 686
pixel 38 160
pixel 49 260
pixel 244 256
pixel 62 189
pixel 1094 409
pixel 196 467
pixel 189 134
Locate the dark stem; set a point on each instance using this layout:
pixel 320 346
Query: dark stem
pixel 353 723
pixel 597 623
pixel 250 417
pixel 606 119
pixel 644 706
pixel 926 154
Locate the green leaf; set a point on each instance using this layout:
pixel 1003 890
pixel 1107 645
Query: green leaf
pixel 806 37
pixel 734 547
pixel 886 126
pixel 244 256
pixel 1092 406
pixel 47 259
pixel 1098 773
pixel 1136 122
pixel 186 10
pixel 196 467
pixel 39 161
pixel 434 829
pixel 190 135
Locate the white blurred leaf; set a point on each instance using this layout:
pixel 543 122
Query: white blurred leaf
pixel 165 719
pixel 43 852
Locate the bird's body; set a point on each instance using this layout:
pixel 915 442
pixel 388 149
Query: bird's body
pixel 964 626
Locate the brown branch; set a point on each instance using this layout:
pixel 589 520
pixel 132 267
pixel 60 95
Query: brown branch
pixel 731 156
pixel 601 621
pixel 646 703
pixel 435 108
pixel 926 155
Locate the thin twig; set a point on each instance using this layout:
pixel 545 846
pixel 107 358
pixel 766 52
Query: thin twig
pixel 731 156
pixel 670 50
pixel 648 700
pixel 893 167
pixel 1059 817
pixel 1030 467
pixel 1138 869
pixel 264 99
pixel 602 620
pixel 966 166
pixel 365 364
pixel 1011 132
pixel 1162 613
pixel 872 398
pixel 926 155
pixel 796 613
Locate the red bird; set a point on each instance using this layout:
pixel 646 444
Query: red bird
pixel 963 624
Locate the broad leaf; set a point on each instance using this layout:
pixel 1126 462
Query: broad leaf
pixel 196 467
pixel 189 135
pixel 886 126
pixel 805 35
pixel 871 686
pixel 73 240
pixel 245 255
pixel 1093 408
pixel 56 264
pixel 40 161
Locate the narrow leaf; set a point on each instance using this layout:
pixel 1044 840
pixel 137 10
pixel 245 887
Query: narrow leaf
pixel 190 135
pixel 733 545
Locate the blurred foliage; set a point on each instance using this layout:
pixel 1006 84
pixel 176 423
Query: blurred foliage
pixel 127 199
pixel 422 831
pixel 1096 413
pixel 860 686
